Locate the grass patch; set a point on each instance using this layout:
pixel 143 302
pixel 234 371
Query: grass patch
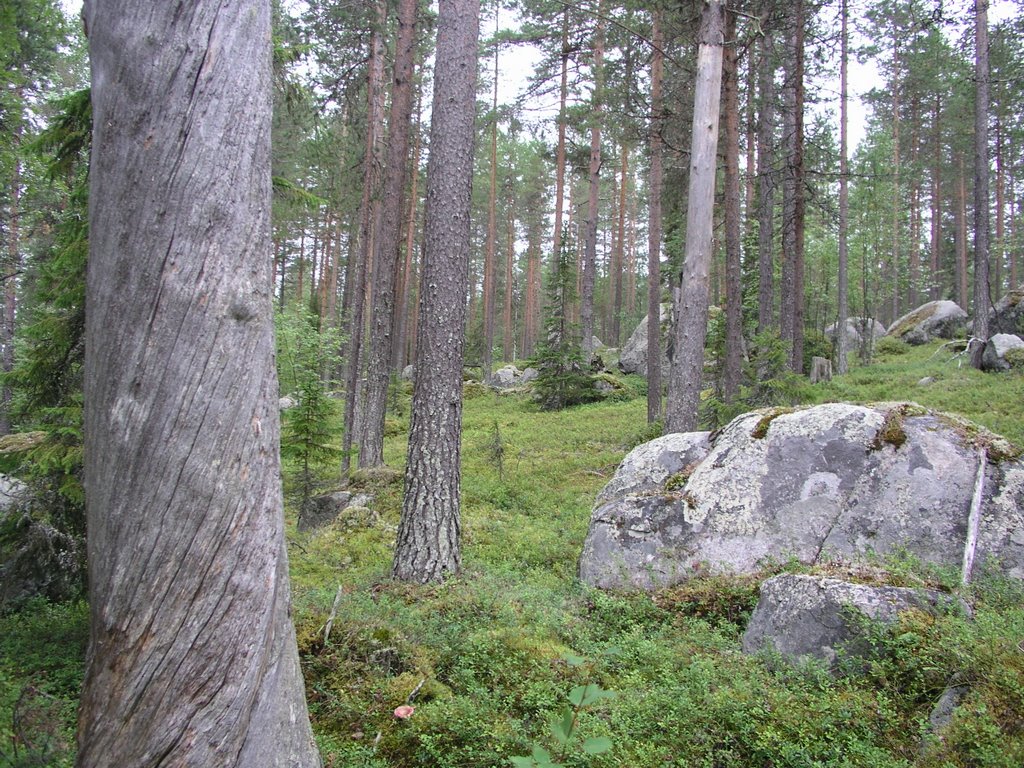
pixel 490 646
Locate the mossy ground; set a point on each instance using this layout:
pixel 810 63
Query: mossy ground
pixel 490 645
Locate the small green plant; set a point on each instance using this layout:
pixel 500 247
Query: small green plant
pixel 564 725
pixel 496 451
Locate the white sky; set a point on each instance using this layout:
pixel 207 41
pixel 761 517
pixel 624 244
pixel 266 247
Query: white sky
pixel 517 64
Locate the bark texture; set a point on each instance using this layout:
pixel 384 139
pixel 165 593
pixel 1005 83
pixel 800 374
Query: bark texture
pixel 427 548
pixel 692 310
pixel 733 284
pixel 765 185
pixel 589 269
pixel 385 263
pixel 982 299
pixel 844 194
pixel 192 658
pixel 654 224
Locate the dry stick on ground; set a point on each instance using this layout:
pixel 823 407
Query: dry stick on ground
pixel 974 520
pixel 334 613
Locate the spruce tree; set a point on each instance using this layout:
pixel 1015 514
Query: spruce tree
pixel 563 379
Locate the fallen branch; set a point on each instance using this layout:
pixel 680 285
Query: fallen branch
pixel 974 519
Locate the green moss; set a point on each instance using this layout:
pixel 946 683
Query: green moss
pixel 678 480
pixel 891 432
pixel 1015 358
pixel 911 321
pixel 760 430
pixel 997 447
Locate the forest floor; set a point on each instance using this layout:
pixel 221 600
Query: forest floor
pixel 494 654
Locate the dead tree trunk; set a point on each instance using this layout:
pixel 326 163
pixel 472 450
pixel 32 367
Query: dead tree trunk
pixel 692 310
pixel 192 658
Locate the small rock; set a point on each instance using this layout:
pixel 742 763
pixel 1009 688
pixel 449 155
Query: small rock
pixel 927 381
pixel 287 403
pixel 803 617
pixel 994 358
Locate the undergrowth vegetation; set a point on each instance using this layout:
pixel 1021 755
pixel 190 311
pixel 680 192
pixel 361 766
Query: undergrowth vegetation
pixel 488 660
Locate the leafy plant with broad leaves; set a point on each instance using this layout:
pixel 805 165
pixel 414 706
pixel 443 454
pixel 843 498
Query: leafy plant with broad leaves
pixel 565 725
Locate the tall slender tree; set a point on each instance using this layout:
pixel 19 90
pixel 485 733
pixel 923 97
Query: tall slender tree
pixel 654 184
pixel 368 227
pixel 192 656
pixel 982 299
pixel 386 261
pixel 844 193
pixel 589 269
pixel 428 547
pixel 692 309
pixel 731 147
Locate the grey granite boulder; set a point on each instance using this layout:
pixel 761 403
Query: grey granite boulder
pixel 633 357
pixel 856 329
pixel 1007 316
pixel 325 509
pixel 808 617
pixel 994 357
pixel 504 377
pixel 934 320
pixel 835 479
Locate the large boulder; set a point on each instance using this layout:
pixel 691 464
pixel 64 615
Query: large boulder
pixel 835 479
pixel 808 617
pixel 510 377
pixel 998 355
pixel 323 510
pixel 1007 316
pixel 856 329
pixel 934 320
pixel 633 357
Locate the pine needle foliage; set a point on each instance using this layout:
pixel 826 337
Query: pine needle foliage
pixel 309 430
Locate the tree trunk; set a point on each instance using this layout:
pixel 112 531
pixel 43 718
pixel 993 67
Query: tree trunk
pixel 1000 244
pixel 692 309
pixel 982 299
pixel 765 185
pixel 192 658
pixel 654 224
pixel 427 547
pixel 961 234
pixel 589 267
pixel 378 369
pixel 619 252
pixel 936 194
pixel 508 338
pixel 896 206
pixel 563 118
pixel 367 235
pixel 733 286
pixel 11 268
pixel 403 317
pixel 490 249
pixel 800 201
pixel 844 193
